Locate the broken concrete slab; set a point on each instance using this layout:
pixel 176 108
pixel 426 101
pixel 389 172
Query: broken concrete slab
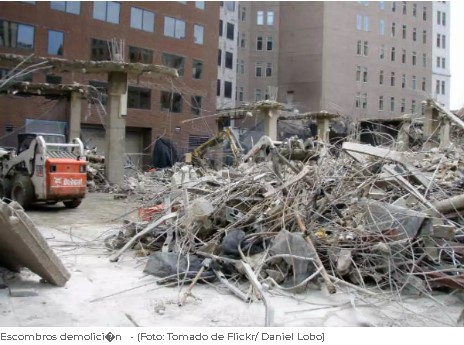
pixel 22 245
pixel 23 292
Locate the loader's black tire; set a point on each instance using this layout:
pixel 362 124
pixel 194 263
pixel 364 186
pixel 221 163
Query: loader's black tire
pixel 73 203
pixel 22 191
pixel 5 188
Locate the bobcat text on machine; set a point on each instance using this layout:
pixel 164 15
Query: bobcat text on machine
pixel 44 169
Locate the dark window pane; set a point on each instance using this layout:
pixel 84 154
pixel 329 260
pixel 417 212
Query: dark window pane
pixel 218 87
pixel 227 89
pixel 197 69
pixel 229 60
pixel 138 98
pixel 99 50
pixel 221 25
pixel 196 105
pixel 230 31
pixel 142 55
pixel 53 79
pixel 171 102
pixel 219 57
pixel 174 61
pixel 55 42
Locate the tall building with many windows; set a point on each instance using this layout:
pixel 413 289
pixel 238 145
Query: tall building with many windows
pixel 362 59
pixel 179 34
pixel 227 55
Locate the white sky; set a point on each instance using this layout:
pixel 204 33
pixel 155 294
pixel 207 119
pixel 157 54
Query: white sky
pixel 457 54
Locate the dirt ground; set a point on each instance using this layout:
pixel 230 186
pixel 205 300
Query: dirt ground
pixel 101 293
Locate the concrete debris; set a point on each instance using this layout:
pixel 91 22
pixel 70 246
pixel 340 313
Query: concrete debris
pixel 22 245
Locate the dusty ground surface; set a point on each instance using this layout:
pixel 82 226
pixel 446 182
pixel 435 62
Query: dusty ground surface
pixel 101 293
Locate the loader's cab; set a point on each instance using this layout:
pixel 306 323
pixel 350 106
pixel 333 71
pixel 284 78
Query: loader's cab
pixel 25 139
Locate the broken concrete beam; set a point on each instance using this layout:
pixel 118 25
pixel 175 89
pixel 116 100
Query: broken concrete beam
pixel 444 231
pixel 22 245
pixel 23 292
pixel 450 205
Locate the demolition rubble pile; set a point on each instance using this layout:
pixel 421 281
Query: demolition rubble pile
pixel 370 218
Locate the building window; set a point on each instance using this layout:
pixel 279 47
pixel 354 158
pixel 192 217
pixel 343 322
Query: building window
pixel 197 69
pixel 174 28
pixel 359 48
pixel 414 58
pixel 438 62
pixel 242 67
pixel 257 95
pixel 424 82
pixel 414 10
pixel 413 106
pixel 100 50
pixel 381 77
pixel 55 42
pixel 438 17
pixel 138 98
pixel 392 79
pixel 242 41
pixel 270 18
pixel 53 79
pixel 200 5
pixel 258 69
pixel 366 23
pixel 365 75
pixel 443 41
pixel 228 89
pixel 218 87
pixel 16 35
pixel 381 103
pixel 260 18
pixel 405 5
pixel 393 54
pixel 359 22
pixel 393 29
pixel 438 40
pixel 269 69
pixel 142 55
pixel 243 14
pixel 240 94
pixel 414 34
pixel 142 19
pixel 259 43
pixel 195 105
pixel 443 19
pixel 403 105
pixel 230 6
pixel 382 52
pixel 403 81
pixel 424 60
pixel 443 91
pixel 230 31
pixel 219 57
pixel 424 13
pixel 382 28
pixel 358 100
pixel 198 31
pixel 404 31
pixel 358 73
pixel 424 36
pixel 366 47
pixel 107 11
pixel 414 86
pixel 394 6
pixel 364 101
pixel 221 25
pixel 269 43
pixel 229 60
pixel 174 61
pixel 403 56
pixel 437 87
pixel 170 101
pixel 392 104
pixel 382 5
pixel 443 63
pixel 73 7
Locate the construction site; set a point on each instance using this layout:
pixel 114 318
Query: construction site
pixel 279 218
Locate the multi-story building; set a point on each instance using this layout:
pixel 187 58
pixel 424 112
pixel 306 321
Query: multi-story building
pixel 440 86
pixel 227 55
pixel 362 59
pixel 179 34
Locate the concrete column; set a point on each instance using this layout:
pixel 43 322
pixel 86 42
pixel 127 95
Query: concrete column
pixel 323 129
pixel 270 122
pixel 445 133
pixel 430 125
pixel 115 136
pixel 75 116
pixel 403 135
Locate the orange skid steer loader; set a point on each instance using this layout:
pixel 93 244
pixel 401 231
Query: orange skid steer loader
pixel 44 169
